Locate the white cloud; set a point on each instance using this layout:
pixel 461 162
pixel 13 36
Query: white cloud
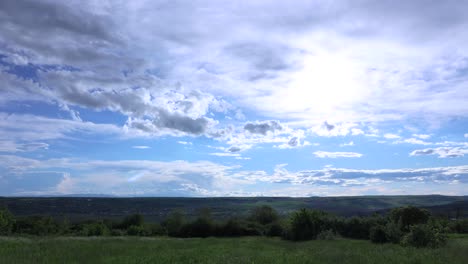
pixel 391 136
pixel 141 147
pixel 184 142
pixel 351 143
pixel 326 154
pixel 422 136
pixel 123 177
pixel 225 154
pixel 414 141
pixel 442 152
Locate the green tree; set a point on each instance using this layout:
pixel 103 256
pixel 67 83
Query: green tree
pixel 306 224
pixel 408 216
pixel 264 215
pixel 6 222
pixel 174 222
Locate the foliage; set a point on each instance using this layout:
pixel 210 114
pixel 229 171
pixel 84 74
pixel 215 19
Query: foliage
pixel 174 223
pixel 408 216
pixel 37 225
pixel 327 235
pixel 7 222
pixel 393 232
pixel 305 224
pixel 94 229
pixel 459 226
pixel 132 220
pixel 378 234
pixel 425 235
pixel 263 215
pixel 274 229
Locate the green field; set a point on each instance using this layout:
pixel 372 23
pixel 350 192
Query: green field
pixel 221 250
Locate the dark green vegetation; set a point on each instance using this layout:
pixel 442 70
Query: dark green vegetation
pixel 222 250
pixel 157 209
pixel 408 226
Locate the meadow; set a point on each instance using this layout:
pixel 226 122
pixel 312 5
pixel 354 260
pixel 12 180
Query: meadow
pixel 221 250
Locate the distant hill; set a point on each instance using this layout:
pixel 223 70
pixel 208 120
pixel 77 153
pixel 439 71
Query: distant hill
pixel 157 208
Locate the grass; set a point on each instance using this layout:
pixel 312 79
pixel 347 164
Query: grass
pixel 220 250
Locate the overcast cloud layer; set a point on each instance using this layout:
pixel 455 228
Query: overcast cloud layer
pixel 219 97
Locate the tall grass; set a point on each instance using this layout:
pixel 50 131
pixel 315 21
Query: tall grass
pixel 221 250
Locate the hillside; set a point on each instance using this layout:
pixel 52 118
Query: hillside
pixel 155 209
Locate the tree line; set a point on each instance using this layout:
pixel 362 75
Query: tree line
pixel 409 225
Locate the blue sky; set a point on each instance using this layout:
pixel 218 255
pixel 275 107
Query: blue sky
pixel 227 98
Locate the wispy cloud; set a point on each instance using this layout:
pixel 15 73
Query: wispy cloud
pixel 333 155
pixel 141 147
pixel 442 152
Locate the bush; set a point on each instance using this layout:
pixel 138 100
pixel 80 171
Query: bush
pixel 327 235
pixel 305 224
pixel 408 216
pixel 173 223
pixel 6 222
pixel 459 226
pixel 425 235
pixel 377 234
pixel 263 215
pixel 132 220
pixel 138 230
pixel 357 227
pixel 37 225
pixel 393 232
pixel 202 227
pixel 94 229
pixel 274 229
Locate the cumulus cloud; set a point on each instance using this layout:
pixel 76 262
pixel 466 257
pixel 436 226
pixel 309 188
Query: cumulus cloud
pixel 263 127
pixel 123 177
pixel 326 154
pixel 234 149
pixel 442 152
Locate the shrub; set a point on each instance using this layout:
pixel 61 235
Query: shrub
pixel 201 227
pixel 459 226
pixel 408 216
pixel 357 227
pixel 94 229
pixel 425 235
pixel 263 215
pixel 327 235
pixel 138 230
pixel 37 225
pixel 393 232
pixel 305 224
pixel 274 229
pixel 173 223
pixel 132 220
pixel 377 234
pixel 6 222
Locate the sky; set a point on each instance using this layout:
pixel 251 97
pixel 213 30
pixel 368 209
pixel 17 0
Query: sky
pixel 233 98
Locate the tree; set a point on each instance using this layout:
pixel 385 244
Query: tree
pixel 408 216
pixel 132 220
pixel 306 224
pixel 6 222
pixel 264 215
pixel 174 222
pixel 377 234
